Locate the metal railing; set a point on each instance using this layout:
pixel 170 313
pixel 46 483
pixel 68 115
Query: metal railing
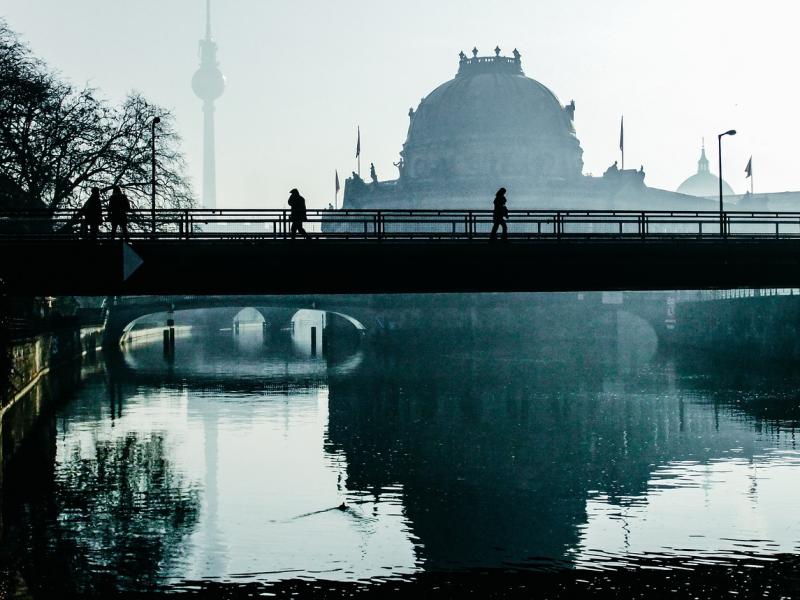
pixel 737 293
pixel 397 224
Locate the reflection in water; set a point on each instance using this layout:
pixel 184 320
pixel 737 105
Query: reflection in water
pixel 246 458
pixel 715 510
pixel 123 511
pixel 523 460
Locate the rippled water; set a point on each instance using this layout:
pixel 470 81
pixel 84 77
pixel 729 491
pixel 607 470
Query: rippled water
pixel 249 460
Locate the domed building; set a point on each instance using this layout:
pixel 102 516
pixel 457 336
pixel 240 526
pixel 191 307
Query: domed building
pixel 491 121
pixel 490 127
pixel 704 183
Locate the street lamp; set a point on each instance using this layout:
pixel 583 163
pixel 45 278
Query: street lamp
pixel 719 155
pixel 156 121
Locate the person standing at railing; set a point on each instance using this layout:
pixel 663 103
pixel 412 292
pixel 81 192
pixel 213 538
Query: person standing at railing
pixel 93 213
pixel 118 207
pixel 298 213
pixel 499 214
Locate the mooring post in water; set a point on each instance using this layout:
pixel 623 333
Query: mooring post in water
pixel 91 347
pixel 236 327
pixel 313 341
pixel 166 342
pixel 264 327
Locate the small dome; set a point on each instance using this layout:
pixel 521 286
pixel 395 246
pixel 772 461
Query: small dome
pixel 489 121
pixel 704 183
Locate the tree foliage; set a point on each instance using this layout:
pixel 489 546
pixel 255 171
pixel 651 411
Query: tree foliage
pixel 57 141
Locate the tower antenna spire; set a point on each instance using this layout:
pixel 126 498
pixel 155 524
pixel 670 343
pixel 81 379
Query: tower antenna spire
pixel 208 19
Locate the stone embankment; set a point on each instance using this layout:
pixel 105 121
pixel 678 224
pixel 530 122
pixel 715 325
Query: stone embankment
pixel 27 394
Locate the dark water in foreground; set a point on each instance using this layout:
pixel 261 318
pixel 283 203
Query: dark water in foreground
pixel 226 468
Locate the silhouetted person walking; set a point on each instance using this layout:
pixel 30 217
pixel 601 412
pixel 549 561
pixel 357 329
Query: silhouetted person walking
pixel 93 213
pixel 118 207
pixel 298 212
pixel 499 214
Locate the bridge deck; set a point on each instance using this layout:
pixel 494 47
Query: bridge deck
pixel 304 267
pixel 249 252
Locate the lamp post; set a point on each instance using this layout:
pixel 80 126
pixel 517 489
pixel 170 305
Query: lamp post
pixel 719 155
pixel 156 121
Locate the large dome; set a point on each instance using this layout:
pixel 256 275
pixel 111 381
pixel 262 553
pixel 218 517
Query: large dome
pixel 704 183
pixel 492 122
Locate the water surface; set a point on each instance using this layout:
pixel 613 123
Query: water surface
pixel 248 459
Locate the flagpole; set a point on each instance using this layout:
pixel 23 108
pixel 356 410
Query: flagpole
pixel 336 190
pixel 752 181
pixel 622 139
pixel 358 151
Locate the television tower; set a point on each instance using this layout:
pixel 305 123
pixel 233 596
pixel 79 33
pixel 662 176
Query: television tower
pixel 208 84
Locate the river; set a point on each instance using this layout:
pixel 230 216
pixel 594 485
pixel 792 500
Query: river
pixel 246 460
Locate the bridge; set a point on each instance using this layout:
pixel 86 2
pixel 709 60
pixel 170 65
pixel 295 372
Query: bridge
pixel 457 316
pixel 392 251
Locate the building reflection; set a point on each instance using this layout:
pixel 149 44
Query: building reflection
pixel 500 454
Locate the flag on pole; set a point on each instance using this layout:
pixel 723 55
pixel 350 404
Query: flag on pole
pixel 622 134
pixel 749 168
pixel 358 143
pixel 337 181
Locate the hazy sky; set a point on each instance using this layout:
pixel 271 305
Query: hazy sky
pixel 303 74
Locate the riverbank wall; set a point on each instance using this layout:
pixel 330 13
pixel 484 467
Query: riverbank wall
pixel 42 366
pixel 758 328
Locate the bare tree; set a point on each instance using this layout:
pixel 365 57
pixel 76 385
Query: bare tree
pixel 57 141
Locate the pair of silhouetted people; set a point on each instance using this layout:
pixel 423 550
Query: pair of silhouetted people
pixel 297 215
pixel 499 214
pixel 118 208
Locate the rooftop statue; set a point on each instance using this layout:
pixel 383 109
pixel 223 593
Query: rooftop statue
pixel 570 110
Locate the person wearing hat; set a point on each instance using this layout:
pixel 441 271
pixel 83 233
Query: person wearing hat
pixel 298 212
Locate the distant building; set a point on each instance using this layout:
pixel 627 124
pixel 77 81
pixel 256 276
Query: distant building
pixel 704 183
pixel 208 84
pixel 490 127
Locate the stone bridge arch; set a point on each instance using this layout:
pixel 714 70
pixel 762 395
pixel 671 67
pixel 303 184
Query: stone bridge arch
pixel 123 314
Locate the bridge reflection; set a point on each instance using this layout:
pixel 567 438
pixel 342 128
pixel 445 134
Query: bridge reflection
pixel 247 361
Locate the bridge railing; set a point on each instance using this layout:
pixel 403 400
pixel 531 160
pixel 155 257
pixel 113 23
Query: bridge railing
pixel 398 224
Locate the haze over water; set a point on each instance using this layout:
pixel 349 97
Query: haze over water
pixel 231 463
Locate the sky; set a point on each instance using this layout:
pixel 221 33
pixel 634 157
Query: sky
pixel 303 75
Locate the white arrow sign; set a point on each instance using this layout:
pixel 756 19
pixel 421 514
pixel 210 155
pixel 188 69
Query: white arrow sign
pixel 130 261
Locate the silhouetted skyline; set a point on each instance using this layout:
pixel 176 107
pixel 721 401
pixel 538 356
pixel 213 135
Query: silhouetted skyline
pixel 314 80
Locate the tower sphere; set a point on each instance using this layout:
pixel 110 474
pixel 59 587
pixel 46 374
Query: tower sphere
pixel 208 83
